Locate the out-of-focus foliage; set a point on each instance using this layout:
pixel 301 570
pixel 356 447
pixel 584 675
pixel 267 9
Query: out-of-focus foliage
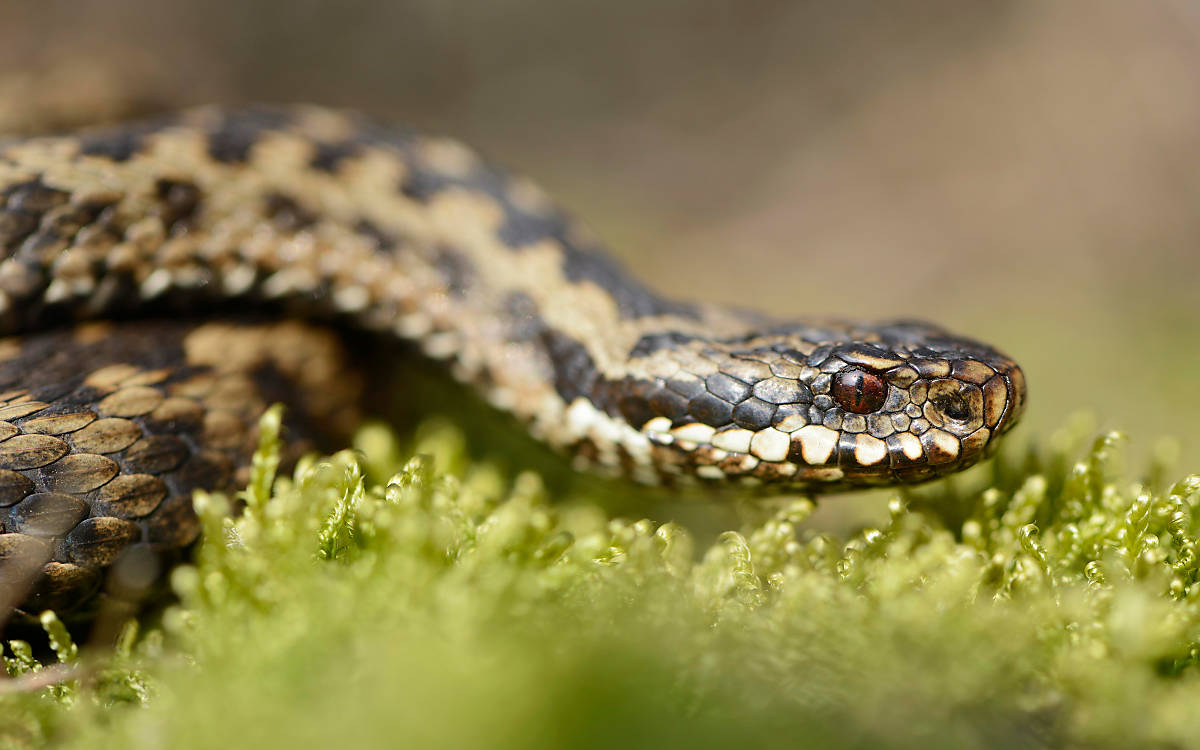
pixel 456 607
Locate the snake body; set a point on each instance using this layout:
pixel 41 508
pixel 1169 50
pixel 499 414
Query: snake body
pixel 130 376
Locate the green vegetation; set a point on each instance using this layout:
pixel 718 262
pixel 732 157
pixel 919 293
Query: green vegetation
pixel 1056 605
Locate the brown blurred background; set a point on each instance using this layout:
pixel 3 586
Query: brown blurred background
pixel 1028 172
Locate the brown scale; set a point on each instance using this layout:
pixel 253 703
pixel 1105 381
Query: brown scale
pixel 104 439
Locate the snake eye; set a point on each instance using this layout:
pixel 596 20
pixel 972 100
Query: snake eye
pixel 859 391
pixel 953 406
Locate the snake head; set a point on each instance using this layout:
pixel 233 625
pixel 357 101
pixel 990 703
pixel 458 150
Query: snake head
pixel 825 407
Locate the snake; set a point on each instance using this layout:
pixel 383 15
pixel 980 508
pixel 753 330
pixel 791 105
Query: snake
pixel 162 282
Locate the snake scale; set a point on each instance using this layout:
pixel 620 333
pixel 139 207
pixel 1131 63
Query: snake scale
pixel 131 374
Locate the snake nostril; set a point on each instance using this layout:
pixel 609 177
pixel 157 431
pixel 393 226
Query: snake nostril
pixel 953 406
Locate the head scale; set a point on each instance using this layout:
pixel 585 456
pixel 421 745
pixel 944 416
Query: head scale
pixel 823 407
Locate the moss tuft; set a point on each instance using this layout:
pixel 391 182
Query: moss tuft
pixel 1049 601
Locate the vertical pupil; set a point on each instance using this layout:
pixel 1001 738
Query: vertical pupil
pixel 859 391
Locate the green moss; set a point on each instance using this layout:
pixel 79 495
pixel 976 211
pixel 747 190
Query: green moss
pixel 1050 600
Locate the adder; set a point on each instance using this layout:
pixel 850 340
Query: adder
pixel 131 376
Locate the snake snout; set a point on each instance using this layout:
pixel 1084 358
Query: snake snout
pixel 1014 379
pixel 1004 397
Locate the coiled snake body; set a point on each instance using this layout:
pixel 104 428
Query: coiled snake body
pixel 107 427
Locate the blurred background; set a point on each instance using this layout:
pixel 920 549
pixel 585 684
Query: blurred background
pixel 1026 172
